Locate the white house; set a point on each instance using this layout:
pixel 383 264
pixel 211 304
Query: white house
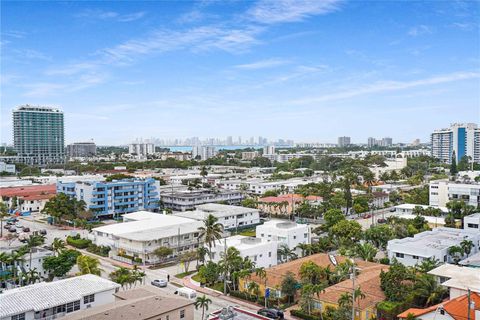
pixel 285 232
pixel 457 279
pixel 142 232
pixel 51 300
pixel 231 217
pixel 430 244
pixel 407 208
pixel 260 251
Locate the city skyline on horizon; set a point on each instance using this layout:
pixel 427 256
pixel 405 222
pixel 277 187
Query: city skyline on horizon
pixel 212 69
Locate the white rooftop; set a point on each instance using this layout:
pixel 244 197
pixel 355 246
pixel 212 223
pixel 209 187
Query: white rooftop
pixel 436 239
pixel 460 277
pixel 440 221
pixel 242 242
pixel 46 295
pixel 282 224
pixel 411 206
pixel 215 209
pixel 148 226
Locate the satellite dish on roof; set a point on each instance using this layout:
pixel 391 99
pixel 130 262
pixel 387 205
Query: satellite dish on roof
pixel 332 259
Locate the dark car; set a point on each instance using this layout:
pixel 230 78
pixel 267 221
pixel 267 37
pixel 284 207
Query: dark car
pixel 271 313
pixel 392 210
pixel 43 232
pixel 381 220
pixel 26 229
pixel 12 229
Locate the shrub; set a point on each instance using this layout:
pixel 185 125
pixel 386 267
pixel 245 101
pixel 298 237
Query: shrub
pixel 138 260
pixel 100 250
pixel 302 315
pixel 384 261
pixel 78 242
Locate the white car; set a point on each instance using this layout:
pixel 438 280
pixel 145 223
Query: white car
pixel 159 283
pixel 18 225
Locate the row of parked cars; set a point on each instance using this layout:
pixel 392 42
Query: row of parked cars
pixel 13 225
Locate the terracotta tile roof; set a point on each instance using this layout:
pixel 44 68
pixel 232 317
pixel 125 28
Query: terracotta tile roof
pixel 289 198
pixel 39 192
pixel 457 308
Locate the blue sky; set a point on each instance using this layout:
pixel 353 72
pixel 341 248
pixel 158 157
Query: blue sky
pixel 307 70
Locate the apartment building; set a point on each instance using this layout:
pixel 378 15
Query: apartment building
pixel 142 232
pixel 260 251
pixel 203 152
pixel 141 148
pixel 457 279
pixel 38 135
pixel 230 217
pixel 145 303
pixel 115 197
pixel 81 150
pixel 8 168
pixel 461 138
pixel 430 244
pixel 343 141
pixel 188 200
pixel 443 191
pixel 250 155
pixel 472 222
pixel 51 300
pixel 28 198
pixel 284 232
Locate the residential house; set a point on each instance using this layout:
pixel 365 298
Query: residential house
pixel 284 232
pixel 29 198
pixel 284 205
pixel 457 279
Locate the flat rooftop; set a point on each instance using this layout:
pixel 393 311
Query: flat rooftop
pixel 463 278
pixel 242 242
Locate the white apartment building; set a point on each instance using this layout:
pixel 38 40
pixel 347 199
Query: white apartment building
pixel 284 232
pixel 407 208
pixel 203 152
pixel 443 191
pixel 5 167
pixel 395 164
pixel 51 300
pixel 430 244
pixel 461 138
pixel 472 222
pixel 260 251
pixel 268 150
pixel 250 155
pixel 230 217
pixel 188 200
pixel 141 148
pixel 260 186
pixel 142 232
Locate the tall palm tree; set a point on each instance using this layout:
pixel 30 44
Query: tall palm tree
pixel 427 288
pixel 467 246
pixel 262 274
pixel 58 245
pixel 285 252
pixel 32 242
pixel 230 261
pixel 212 231
pixel 366 251
pixel 306 249
pixel 88 265
pixel 253 288
pixel 202 302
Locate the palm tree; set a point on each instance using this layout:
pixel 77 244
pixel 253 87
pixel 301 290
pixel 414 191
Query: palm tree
pixel 230 261
pixel 366 251
pixel 201 253
pixel 212 231
pixel 428 264
pixel 467 246
pixel 262 274
pixel 202 302
pixel 427 289
pixel 345 300
pixel 58 245
pixel 88 265
pixel 285 252
pixel 456 252
pixel 253 288
pixel 306 249
pixel 32 242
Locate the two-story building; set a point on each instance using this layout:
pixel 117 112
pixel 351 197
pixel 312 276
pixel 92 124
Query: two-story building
pixel 443 191
pixel 188 200
pixel 51 300
pixel 113 198
pixel 136 239
pixel 284 232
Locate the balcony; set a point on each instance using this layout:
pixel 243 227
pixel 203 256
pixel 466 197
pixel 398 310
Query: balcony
pixel 126 190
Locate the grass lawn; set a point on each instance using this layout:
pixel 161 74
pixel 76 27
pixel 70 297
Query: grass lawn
pixel 196 278
pixel 184 274
pixel 217 286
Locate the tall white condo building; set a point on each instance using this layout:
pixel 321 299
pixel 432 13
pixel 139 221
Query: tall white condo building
pixel 461 138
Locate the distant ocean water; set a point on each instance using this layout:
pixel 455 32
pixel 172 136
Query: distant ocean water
pixel 189 148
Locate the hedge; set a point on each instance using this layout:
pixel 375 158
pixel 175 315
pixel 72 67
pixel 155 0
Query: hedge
pixel 100 250
pixel 78 242
pixel 302 315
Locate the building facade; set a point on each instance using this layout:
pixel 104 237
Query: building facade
pixel 203 152
pixel 250 155
pixel 287 233
pixel 141 148
pixel 463 139
pixel 8 168
pixel 443 191
pixel 38 135
pixel 343 141
pixel 188 200
pixel 81 150
pixel 115 197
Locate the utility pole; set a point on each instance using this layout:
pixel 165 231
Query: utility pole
pixel 225 269
pixel 469 303
pixel 353 290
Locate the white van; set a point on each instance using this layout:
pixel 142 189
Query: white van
pixel 186 293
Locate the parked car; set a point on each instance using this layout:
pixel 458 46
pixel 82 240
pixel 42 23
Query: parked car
pixel 392 210
pixel 271 313
pixel 7 226
pixel 43 232
pixel 12 229
pixel 159 283
pixel 381 220
pixel 367 216
pixel 26 229
pixel 12 219
pixel 18 225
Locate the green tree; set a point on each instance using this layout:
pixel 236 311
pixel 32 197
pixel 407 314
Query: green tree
pixel 58 245
pixel 62 207
pixel 456 252
pixel 253 288
pixel 88 265
pixel 427 290
pixel 162 253
pixel 32 242
pixel 186 258
pixel 289 286
pixel 203 171
pixel 60 265
pixel 212 231
pixel 202 302
pixel 453 165
pixel 332 217
pixel 467 246
pixel 365 251
pixel 379 235
pixel 346 232
pixel 285 253
pixel 3 215
pixel 249 203
pixel 209 273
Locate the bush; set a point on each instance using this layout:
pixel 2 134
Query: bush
pixel 100 250
pixel 243 295
pixel 78 242
pixel 302 315
pixel 384 261
pixel 389 310
pixel 138 260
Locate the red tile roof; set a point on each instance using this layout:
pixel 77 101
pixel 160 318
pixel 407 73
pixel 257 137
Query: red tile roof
pixel 37 192
pixel 289 198
pixel 457 308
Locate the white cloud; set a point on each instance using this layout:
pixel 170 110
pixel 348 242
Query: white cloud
pixel 279 11
pixel 385 86
pixel 110 15
pixel 262 64
pixel 420 30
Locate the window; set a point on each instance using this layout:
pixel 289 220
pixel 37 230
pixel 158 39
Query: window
pixel 167 318
pixel 60 309
pixel 399 255
pixel 182 314
pixel 20 316
pixel 270 254
pixel 73 306
pixel 88 299
pixel 473 225
pixel 415 257
pixel 442 312
pixel 305 235
pixel 294 237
